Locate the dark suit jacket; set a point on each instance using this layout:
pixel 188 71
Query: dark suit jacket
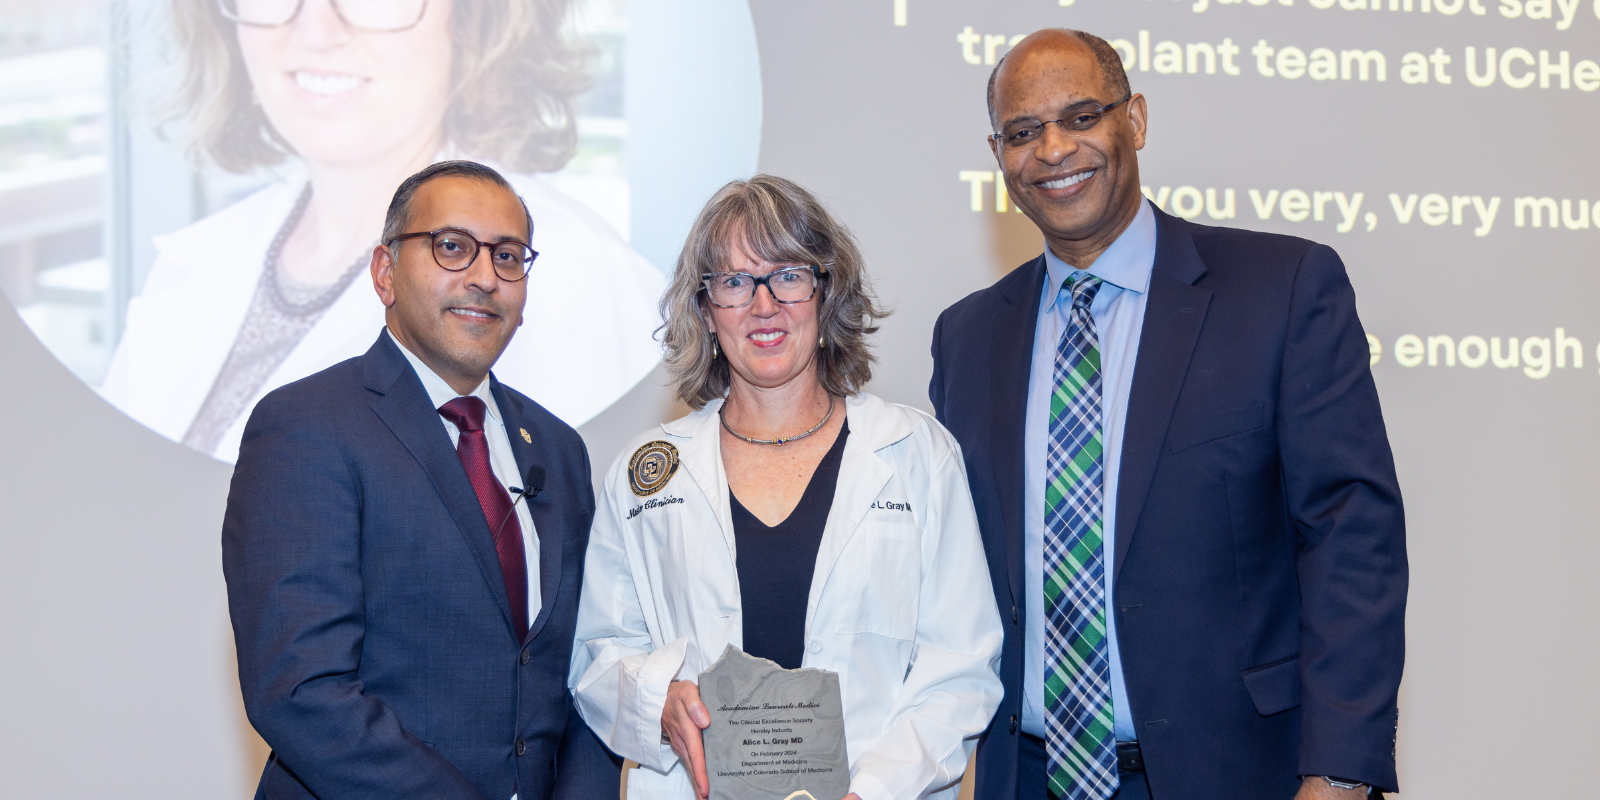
pixel 376 654
pixel 1260 567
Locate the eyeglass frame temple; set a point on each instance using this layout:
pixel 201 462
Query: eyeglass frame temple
pixel 299 5
pixel 998 137
pixel 765 280
pixel 527 265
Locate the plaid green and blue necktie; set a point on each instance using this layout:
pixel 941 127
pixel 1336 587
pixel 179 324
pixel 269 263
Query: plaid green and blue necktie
pixel 1080 743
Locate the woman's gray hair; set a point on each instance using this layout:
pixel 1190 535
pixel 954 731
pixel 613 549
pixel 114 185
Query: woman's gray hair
pixel 779 222
pixel 516 74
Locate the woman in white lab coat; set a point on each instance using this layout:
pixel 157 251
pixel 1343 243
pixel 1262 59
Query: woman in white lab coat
pixel 342 101
pixel 792 516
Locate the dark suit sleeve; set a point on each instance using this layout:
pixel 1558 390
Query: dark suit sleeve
pixel 936 385
pixel 1344 501
pixel 585 769
pixel 588 475
pixel 291 550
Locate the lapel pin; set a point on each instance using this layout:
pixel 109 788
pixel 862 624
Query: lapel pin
pixel 525 436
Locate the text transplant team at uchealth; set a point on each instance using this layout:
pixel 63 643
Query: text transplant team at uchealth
pixel 1150 544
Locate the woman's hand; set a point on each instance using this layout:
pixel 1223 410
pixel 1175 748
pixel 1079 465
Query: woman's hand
pixel 682 720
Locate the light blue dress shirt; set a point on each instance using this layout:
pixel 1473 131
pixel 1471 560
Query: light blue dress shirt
pixel 1118 312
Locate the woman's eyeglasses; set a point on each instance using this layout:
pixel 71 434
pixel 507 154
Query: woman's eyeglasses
pixel 378 16
pixel 738 289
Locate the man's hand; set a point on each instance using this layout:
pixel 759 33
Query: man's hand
pixel 682 720
pixel 1315 788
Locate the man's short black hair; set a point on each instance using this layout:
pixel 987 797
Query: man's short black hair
pixel 1110 69
pixel 394 223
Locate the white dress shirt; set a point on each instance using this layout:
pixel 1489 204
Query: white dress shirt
pixel 1118 312
pixel 501 458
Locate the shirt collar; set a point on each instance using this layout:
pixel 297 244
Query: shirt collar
pixel 439 392
pixel 1126 264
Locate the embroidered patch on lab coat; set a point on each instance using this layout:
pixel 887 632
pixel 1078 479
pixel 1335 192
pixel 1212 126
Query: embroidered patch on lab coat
pixel 651 467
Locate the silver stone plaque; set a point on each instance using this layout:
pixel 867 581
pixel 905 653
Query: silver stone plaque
pixel 776 734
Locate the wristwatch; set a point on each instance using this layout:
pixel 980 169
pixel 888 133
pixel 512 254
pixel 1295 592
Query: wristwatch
pixel 1338 784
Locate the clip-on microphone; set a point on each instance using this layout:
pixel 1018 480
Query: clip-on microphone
pixel 533 484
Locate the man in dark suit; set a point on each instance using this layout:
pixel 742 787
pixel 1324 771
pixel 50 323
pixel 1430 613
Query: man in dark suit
pixel 403 624
pixel 1182 477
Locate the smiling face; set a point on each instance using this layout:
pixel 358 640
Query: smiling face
pixel 341 96
pixel 1081 189
pixel 767 343
pixel 458 323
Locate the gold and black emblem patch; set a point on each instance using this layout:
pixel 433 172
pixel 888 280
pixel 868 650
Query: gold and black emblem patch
pixel 651 467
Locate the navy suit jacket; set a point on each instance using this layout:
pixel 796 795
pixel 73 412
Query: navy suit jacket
pixel 375 647
pixel 1260 566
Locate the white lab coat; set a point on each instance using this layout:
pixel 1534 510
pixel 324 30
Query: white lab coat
pixel 586 337
pixel 901 605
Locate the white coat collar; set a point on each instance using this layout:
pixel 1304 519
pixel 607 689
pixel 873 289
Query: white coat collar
pixel 874 425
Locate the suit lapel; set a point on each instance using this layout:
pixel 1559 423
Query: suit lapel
pixel 541 509
pixel 1173 316
pixel 1011 353
pixel 405 408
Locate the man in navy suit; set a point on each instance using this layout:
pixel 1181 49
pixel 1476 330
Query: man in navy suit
pixel 1182 477
pixel 403 611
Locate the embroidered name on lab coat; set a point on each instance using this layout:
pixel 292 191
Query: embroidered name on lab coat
pixel 890 505
pixel 659 502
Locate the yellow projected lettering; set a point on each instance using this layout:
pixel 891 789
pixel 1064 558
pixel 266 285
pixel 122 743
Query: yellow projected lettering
pixel 1535 355
pixel 1514 67
pixel 990 44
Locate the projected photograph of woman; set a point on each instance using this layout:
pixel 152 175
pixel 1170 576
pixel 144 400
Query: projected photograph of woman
pixel 338 101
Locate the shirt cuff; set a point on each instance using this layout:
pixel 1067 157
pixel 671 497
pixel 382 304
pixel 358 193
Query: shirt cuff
pixel 655 677
pixel 870 788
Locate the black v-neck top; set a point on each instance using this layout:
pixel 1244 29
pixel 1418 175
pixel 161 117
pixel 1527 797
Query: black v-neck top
pixel 775 565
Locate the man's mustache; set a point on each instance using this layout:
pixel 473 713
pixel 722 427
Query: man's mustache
pixel 487 302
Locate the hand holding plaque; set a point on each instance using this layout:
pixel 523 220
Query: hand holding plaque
pixel 682 719
pixel 775 734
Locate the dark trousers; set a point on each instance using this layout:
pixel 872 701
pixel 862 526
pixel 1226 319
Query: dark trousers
pixel 1031 765
pixel 1031 781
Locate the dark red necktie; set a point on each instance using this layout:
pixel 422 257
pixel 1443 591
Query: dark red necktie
pixel 466 413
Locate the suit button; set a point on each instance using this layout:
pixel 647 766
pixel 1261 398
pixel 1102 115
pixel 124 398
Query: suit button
pixel 1013 726
pixel 522 747
pixel 815 646
pixel 525 656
